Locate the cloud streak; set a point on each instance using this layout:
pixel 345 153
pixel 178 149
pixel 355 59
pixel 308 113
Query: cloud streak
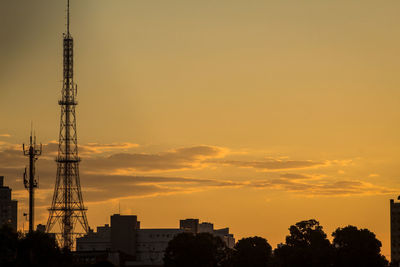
pixel 324 187
pixel 178 159
pixel 272 164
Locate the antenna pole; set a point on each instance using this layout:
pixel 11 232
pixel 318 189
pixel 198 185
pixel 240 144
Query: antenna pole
pixel 67 16
pixel 30 183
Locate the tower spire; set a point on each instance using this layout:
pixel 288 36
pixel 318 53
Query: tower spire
pixel 67 214
pixel 67 16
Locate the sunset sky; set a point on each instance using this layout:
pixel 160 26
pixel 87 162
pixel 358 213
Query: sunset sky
pixel 249 114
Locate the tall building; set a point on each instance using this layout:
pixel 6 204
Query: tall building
pixel 8 207
pixel 395 232
pixel 124 233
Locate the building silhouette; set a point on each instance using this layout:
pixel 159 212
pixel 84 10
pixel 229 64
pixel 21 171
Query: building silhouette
pixel 395 232
pixel 144 247
pixel 193 226
pixel 124 233
pixel 189 225
pixel 8 207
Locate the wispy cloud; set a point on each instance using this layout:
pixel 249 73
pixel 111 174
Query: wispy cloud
pixel 178 159
pixel 111 187
pixel 294 176
pixel 324 187
pixel 272 164
pixel 91 149
pixel 97 148
pixel 5 135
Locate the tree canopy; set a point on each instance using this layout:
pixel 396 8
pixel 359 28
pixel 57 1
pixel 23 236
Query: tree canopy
pixel 200 250
pixel 33 249
pixel 357 248
pixel 8 245
pixel 306 246
pixel 40 249
pixel 251 251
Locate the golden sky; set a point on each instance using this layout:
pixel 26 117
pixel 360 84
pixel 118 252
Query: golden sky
pixel 248 114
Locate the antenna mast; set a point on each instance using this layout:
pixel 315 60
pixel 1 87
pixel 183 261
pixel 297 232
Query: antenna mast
pixel 67 214
pixel 33 152
pixel 67 16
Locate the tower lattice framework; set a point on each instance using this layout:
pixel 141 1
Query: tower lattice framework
pixel 67 214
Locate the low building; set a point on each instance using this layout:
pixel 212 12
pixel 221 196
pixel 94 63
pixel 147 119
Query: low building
pixel 189 225
pixel 193 226
pixel 87 258
pixel 206 227
pixel 8 207
pixel 146 247
pixel 225 236
pixel 95 241
pixel 152 244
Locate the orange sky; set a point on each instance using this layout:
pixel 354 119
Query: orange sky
pixel 249 115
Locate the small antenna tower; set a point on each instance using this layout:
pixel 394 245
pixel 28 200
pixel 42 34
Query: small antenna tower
pixel 30 183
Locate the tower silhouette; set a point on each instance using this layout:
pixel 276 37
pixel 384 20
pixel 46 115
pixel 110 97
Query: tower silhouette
pixel 67 214
pixel 30 183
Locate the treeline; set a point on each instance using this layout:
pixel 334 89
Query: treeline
pixel 36 249
pixel 306 245
pixel 33 249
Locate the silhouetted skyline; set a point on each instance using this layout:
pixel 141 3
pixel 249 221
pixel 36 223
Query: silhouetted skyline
pixel 251 115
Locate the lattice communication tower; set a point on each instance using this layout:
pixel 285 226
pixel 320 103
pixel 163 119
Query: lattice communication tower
pixel 67 214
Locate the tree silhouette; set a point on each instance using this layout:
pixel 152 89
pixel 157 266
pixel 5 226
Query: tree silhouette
pixel 40 249
pixel 8 246
pixel 306 246
pixel 357 248
pixel 200 250
pixel 251 251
